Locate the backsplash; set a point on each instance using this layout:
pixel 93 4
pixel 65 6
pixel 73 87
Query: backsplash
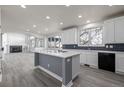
pixel 109 47
pixel 75 46
pixel 115 46
pixel 70 46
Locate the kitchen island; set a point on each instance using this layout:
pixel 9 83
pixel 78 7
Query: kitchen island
pixel 62 65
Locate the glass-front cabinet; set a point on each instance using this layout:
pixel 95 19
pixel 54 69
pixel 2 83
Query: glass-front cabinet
pixel 91 36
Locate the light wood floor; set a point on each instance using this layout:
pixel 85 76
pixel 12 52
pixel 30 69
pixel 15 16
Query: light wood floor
pixel 18 71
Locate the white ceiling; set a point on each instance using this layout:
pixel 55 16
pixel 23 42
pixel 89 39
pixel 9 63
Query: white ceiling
pixel 18 19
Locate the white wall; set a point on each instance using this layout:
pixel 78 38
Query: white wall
pixel 13 38
pixel 16 39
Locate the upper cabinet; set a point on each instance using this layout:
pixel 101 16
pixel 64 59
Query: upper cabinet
pixel 0 17
pixel 119 30
pixel 109 32
pixel 114 30
pixel 69 36
pixel 0 31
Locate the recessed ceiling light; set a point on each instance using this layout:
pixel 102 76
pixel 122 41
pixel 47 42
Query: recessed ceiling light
pixel 34 26
pixel 28 30
pixel 47 17
pixel 61 23
pixel 88 21
pixel 46 29
pixel 23 6
pixel 80 16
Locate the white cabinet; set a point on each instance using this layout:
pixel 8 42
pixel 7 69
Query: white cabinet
pixel 119 30
pixel 0 20
pixel 0 31
pixel 114 30
pixel 92 58
pixel 109 32
pixel 119 62
pixel 0 17
pixel 83 59
pixel 69 36
pixel 89 57
pixel 64 37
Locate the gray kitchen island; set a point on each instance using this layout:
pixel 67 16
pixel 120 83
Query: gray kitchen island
pixel 62 65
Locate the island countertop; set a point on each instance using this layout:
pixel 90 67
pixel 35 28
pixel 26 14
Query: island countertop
pixel 58 54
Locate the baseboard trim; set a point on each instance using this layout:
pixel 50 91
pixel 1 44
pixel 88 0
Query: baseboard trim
pixel 55 76
pixel 74 76
pixel 50 73
pixel 119 72
pixel 68 85
pixel 92 66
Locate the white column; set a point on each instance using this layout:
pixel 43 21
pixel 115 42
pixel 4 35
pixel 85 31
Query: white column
pixel 45 42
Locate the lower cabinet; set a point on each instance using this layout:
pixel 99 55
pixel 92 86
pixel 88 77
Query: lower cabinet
pixel 89 58
pixel 92 59
pixel 119 62
pixel 83 57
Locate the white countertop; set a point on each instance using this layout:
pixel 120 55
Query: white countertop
pixel 71 52
pixel 62 55
pixel 81 50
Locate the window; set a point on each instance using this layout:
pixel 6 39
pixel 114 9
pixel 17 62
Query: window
pixel 36 42
pixel 32 40
pixel 51 42
pixel 54 42
pixel 40 42
pixel 91 36
pixel 58 43
pixel 96 36
pixel 84 37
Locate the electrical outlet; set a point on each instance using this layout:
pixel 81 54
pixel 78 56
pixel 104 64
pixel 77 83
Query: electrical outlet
pixel 106 46
pixel 111 46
